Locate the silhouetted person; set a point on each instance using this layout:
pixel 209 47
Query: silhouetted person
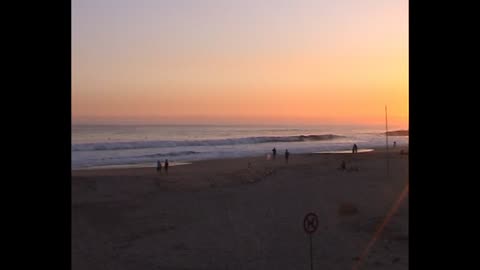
pixel 287 154
pixel 394 144
pixel 274 153
pixel 166 166
pixel 355 148
pixel 159 166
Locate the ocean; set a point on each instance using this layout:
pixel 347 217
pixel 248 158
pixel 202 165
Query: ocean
pixel 95 146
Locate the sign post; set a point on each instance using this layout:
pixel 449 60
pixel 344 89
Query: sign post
pixel 310 225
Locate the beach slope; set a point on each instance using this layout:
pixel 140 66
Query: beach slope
pixel 244 213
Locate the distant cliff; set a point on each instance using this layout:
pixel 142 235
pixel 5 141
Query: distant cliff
pixel 397 133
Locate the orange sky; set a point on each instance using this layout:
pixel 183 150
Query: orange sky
pixel 301 62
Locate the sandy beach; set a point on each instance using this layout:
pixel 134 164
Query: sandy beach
pixel 244 213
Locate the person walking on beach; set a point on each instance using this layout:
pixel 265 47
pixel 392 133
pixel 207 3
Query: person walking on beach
pixel 287 154
pixel 166 166
pixel 355 148
pixel 394 144
pixel 274 153
pixel 159 166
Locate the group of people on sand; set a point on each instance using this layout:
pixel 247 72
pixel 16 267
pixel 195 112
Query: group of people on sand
pixel 274 154
pixel 343 167
pixel 159 166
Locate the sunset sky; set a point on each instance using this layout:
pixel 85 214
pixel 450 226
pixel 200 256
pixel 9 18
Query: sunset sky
pixel 242 61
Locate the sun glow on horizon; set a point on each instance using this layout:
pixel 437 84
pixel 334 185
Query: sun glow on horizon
pixel 240 61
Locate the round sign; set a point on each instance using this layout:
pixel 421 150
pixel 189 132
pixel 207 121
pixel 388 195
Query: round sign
pixel 310 223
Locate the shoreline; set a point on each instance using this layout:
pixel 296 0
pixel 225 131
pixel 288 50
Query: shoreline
pixel 279 156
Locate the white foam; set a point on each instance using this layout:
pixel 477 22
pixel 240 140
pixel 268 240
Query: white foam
pixel 125 166
pixel 344 151
pixel 103 146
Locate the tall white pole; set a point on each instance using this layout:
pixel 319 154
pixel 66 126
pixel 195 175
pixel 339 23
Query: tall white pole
pixel 386 140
